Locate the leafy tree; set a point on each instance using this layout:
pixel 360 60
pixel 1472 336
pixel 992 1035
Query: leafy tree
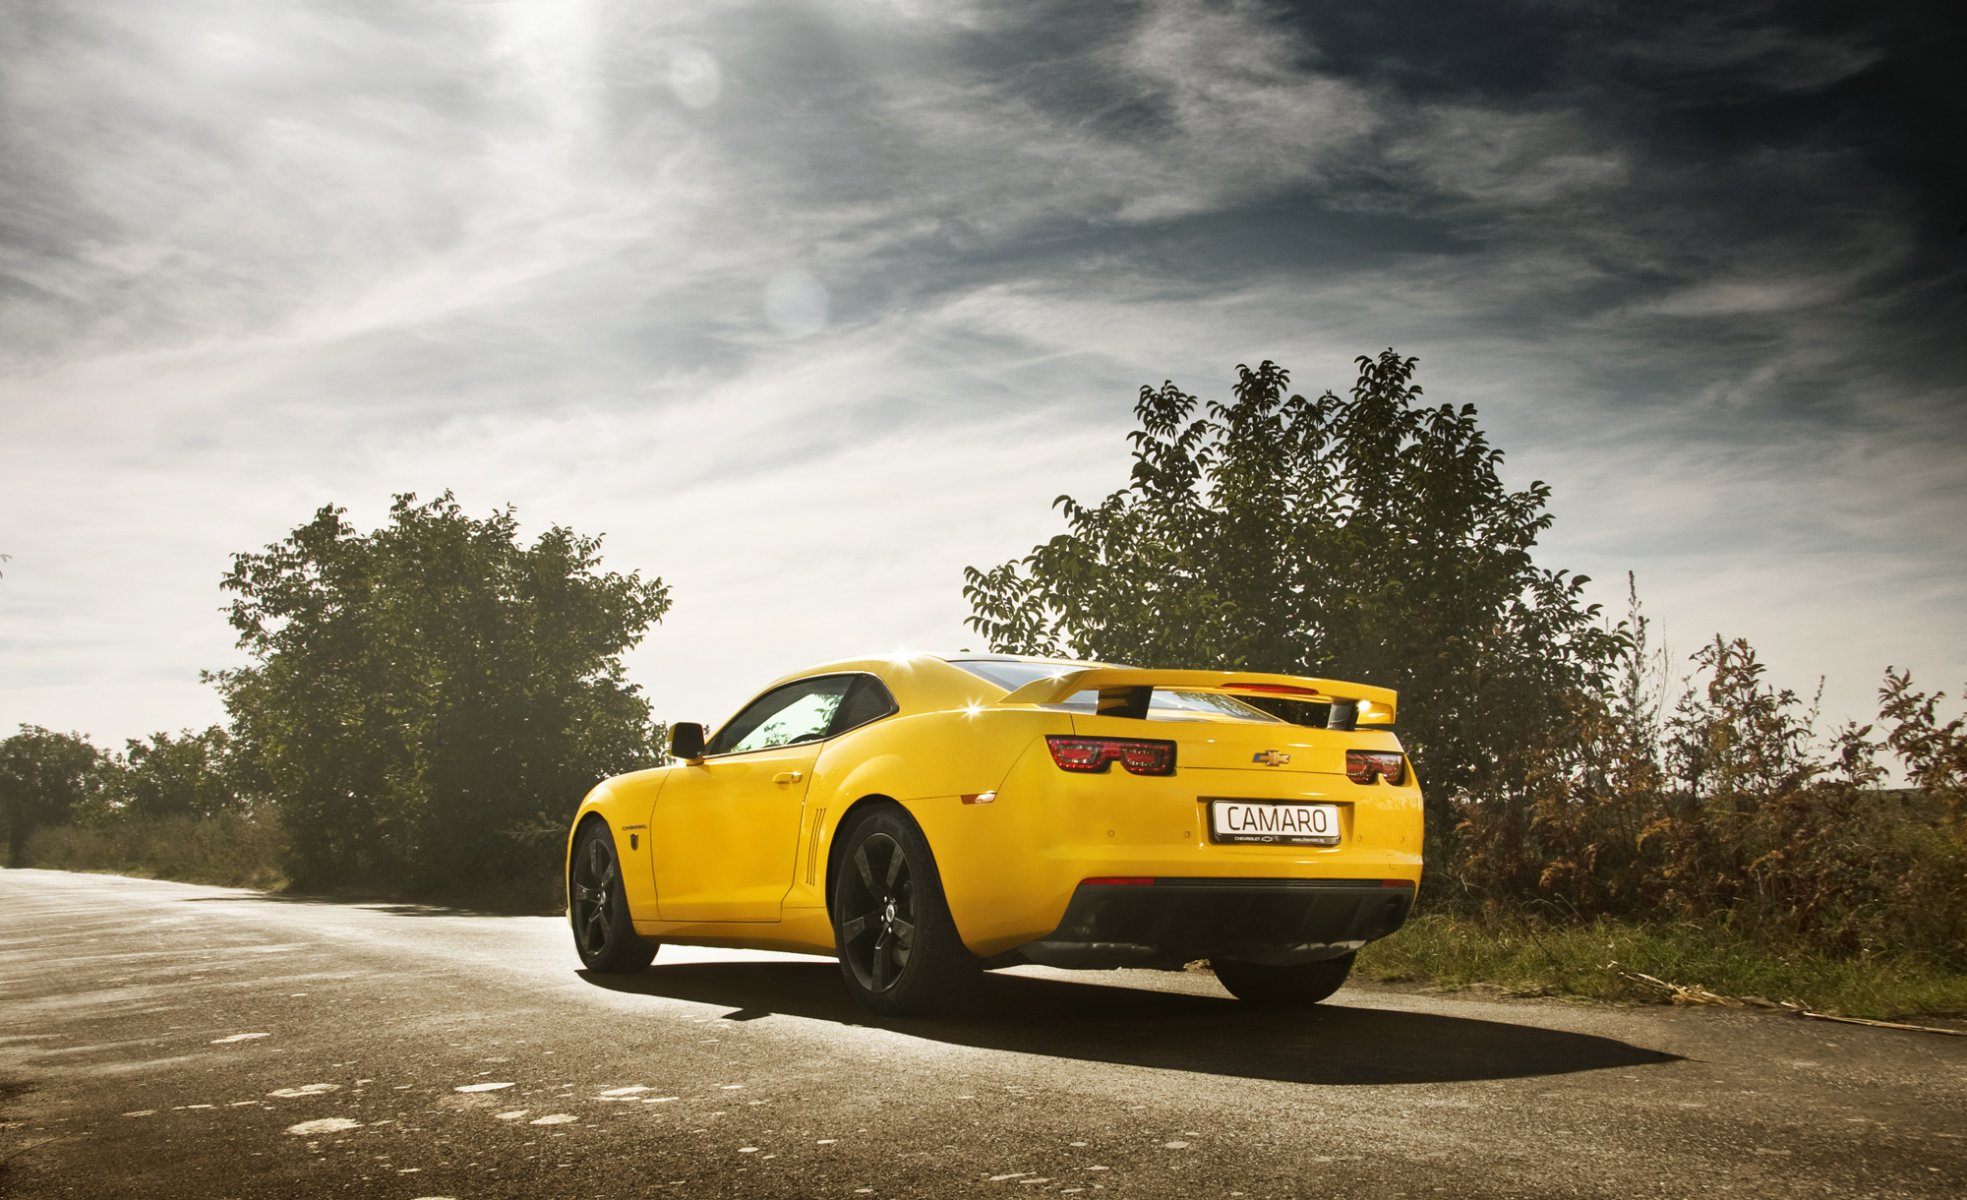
pixel 424 693
pixel 185 776
pixel 1367 537
pixel 46 779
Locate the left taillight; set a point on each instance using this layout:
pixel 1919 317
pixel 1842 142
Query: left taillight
pixel 1092 755
pixel 1365 766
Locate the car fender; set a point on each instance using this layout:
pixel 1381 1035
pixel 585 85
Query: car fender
pixel 624 804
pixel 944 769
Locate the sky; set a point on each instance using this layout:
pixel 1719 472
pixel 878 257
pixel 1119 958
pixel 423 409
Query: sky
pixel 808 304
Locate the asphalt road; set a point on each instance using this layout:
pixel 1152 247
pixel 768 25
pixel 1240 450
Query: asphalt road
pixel 165 1040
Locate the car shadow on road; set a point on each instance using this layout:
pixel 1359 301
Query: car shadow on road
pixel 1344 1041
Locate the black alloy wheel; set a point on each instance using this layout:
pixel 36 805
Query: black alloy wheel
pixel 877 926
pixel 899 951
pixel 597 909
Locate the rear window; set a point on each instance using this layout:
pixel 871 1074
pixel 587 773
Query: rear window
pixel 1009 675
pixel 1013 675
pixel 1209 702
pixel 1170 705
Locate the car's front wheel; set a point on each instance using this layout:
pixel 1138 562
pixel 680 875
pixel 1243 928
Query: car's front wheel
pixel 1292 986
pixel 898 946
pixel 597 909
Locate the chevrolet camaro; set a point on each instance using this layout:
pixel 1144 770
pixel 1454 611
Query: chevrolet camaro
pixel 924 817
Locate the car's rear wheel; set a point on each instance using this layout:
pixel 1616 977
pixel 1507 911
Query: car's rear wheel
pixel 899 950
pixel 1293 986
pixel 597 909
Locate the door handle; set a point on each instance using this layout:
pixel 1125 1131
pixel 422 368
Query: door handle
pixel 784 777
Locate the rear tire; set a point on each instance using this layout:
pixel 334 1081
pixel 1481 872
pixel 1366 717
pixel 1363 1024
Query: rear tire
pixel 899 951
pixel 1298 985
pixel 597 909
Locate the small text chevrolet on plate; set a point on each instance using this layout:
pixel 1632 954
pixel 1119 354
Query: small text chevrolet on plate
pixel 923 818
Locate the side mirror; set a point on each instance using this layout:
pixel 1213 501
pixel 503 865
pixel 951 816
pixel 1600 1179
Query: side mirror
pixel 686 741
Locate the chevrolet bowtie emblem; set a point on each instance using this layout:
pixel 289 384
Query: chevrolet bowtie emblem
pixel 1270 758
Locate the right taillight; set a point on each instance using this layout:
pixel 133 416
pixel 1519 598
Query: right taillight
pixel 1366 766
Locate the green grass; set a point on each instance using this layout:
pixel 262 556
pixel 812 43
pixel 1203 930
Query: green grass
pixel 1599 959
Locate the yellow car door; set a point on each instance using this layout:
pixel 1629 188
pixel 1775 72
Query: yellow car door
pixel 725 830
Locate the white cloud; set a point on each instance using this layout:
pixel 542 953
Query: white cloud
pixel 1739 50
pixel 1515 161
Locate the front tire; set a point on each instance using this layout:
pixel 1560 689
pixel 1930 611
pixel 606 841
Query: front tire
pixel 1298 985
pixel 899 951
pixel 597 909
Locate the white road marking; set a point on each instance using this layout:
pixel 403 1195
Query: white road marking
pixel 481 1087
pixel 238 1037
pixel 324 1125
pixel 307 1089
pixel 555 1119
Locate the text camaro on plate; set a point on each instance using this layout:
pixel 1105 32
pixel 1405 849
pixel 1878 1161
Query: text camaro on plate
pixel 923 818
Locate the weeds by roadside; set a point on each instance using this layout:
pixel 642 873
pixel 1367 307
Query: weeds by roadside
pixel 1601 959
pixel 226 850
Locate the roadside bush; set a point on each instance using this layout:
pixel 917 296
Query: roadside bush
pixel 227 850
pixel 1726 813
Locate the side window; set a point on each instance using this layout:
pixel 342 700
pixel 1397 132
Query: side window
pixel 798 712
pixel 869 700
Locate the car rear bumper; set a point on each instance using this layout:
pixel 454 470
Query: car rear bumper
pixel 1166 922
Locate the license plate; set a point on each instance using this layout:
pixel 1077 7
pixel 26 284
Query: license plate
pixel 1249 821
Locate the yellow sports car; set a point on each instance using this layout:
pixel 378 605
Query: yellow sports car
pixel 924 817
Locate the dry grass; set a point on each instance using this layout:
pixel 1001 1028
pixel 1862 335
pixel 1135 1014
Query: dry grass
pixel 230 850
pixel 1689 963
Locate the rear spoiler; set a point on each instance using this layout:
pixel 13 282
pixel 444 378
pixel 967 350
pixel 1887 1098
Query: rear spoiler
pixel 1125 691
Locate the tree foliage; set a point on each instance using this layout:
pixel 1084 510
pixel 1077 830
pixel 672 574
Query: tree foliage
pixel 1368 537
pixel 422 695
pixel 189 775
pixel 47 778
